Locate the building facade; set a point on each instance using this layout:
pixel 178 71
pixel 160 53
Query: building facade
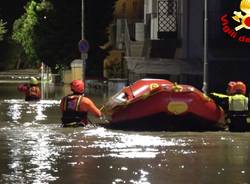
pixel 173 42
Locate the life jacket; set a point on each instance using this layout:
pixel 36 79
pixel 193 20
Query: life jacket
pixel 238 103
pixel 33 94
pixel 71 112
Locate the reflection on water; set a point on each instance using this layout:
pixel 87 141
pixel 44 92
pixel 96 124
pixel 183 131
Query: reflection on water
pixel 35 149
pixel 132 145
pixel 30 152
pixel 36 109
pixel 31 155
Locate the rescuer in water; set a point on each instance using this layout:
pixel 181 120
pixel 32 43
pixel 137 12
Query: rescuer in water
pixel 32 91
pixel 75 107
pixel 237 108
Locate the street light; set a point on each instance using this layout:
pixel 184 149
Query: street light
pixel 205 63
pixel 82 25
pixel 83 43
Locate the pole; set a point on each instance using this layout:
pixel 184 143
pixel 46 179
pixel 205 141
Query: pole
pixel 205 62
pixel 82 25
pixel 83 55
pixel 42 81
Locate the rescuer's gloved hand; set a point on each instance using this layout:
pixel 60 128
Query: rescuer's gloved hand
pixel 213 94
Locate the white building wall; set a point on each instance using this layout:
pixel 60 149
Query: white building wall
pixel 148 9
pixel 154 28
pixel 190 25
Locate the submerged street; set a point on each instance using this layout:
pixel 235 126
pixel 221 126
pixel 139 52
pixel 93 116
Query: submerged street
pixel 35 149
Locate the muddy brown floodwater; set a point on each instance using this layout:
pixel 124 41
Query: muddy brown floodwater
pixel 35 149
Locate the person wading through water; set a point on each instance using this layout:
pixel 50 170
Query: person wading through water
pixel 237 108
pixel 32 91
pixel 75 107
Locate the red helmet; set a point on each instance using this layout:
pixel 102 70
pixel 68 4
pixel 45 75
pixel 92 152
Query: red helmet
pixel 231 88
pixel 240 87
pixel 77 86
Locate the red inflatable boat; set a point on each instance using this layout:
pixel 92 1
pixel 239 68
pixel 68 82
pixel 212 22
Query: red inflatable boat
pixel 157 104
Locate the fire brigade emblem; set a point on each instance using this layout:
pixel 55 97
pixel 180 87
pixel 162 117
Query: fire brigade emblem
pixel 243 16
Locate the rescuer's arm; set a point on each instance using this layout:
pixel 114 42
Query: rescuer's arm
pixel 220 99
pixel 62 104
pixel 219 95
pixel 91 107
pixel 23 88
pixel 39 92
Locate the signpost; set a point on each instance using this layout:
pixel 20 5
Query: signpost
pixel 83 46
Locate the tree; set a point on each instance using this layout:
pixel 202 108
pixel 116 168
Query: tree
pixel 23 29
pixel 9 52
pixel 49 31
pixel 3 29
pixel 58 33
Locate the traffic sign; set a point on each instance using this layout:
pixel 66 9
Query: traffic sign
pixel 83 46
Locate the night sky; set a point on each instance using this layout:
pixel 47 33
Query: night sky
pixel 11 10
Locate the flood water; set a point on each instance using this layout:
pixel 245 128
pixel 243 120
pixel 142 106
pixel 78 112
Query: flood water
pixel 35 149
